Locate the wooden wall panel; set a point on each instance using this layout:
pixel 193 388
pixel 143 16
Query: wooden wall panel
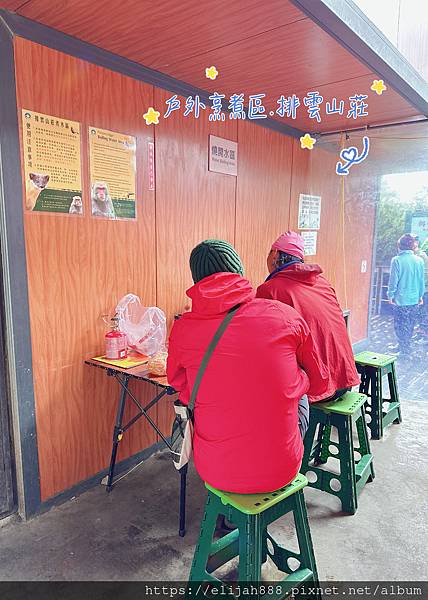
pixel 346 233
pixel 192 204
pixel 263 195
pixel 314 173
pixel 78 269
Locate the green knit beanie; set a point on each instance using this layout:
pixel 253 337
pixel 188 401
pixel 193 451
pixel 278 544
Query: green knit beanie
pixel 214 256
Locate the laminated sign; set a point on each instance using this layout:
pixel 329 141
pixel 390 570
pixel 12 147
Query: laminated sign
pixel 309 212
pixel 112 167
pixel 52 163
pixel 223 156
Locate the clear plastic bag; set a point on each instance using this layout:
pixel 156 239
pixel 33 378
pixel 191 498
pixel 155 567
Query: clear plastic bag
pixel 145 327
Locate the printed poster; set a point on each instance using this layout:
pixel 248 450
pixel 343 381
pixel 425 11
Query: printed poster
pixel 112 168
pixel 52 163
pixel 223 156
pixel 309 212
pixel 419 227
pixel 310 240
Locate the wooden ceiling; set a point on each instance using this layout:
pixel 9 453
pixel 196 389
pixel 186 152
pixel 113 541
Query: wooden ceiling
pixel 267 47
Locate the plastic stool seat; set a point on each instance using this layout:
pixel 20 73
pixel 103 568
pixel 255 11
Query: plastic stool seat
pixel 253 504
pixel 348 404
pixel 382 411
pixel 374 359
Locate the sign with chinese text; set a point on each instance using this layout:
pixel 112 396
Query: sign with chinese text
pixel 310 240
pixel 309 212
pixel 52 163
pixel 151 165
pixel 112 170
pixel 223 156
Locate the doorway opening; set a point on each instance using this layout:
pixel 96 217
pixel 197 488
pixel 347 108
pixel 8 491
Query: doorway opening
pixel 402 208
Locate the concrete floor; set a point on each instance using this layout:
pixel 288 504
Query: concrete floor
pixel 412 371
pixel 131 534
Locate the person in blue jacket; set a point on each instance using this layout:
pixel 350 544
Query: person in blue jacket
pixel 406 290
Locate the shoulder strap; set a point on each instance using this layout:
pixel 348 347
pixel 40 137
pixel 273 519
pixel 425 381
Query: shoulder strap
pixel 208 354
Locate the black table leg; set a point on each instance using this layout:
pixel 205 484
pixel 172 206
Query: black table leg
pixel 117 433
pixel 183 482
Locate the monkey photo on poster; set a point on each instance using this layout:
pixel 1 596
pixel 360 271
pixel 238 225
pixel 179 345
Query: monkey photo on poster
pixel 102 206
pixel 52 164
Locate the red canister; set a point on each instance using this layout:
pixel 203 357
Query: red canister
pixel 116 342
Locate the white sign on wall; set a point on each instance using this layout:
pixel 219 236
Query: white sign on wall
pixel 309 212
pixel 223 156
pixel 310 240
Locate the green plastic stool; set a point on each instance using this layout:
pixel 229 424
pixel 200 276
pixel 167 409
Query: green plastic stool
pixel 373 367
pixel 251 514
pixel 354 473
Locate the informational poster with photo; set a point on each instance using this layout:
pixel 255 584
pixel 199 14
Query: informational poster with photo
pixel 419 227
pixel 310 240
pixel 309 212
pixel 223 156
pixel 112 168
pixel 52 163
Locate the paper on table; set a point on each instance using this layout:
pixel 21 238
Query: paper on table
pixel 124 363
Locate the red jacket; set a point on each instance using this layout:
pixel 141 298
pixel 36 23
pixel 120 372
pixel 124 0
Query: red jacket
pixel 246 436
pixel 303 287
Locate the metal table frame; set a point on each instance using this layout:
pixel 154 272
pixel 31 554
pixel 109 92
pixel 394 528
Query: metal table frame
pixel 123 376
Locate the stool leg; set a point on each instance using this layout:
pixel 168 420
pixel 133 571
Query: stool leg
pixel 198 571
pixel 325 444
pixel 308 444
pixel 264 545
pixel 348 491
pixel 393 390
pixel 250 549
pixel 304 536
pixel 322 444
pixel 363 440
pixel 318 444
pixel 366 384
pixel 376 403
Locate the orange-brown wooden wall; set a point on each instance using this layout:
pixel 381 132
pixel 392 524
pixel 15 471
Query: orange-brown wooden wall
pixel 78 268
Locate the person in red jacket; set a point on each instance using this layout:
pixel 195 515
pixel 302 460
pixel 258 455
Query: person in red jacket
pixel 303 287
pixel 246 430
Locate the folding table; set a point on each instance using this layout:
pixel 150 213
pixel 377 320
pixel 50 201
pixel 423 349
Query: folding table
pixel 123 376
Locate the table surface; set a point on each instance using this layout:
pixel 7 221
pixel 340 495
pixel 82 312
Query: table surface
pixel 140 372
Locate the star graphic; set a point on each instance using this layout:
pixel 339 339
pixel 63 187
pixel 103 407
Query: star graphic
pixel 152 116
pixel 378 86
pixel 211 72
pixel 306 141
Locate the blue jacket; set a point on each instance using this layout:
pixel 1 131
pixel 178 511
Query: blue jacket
pixel 406 281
